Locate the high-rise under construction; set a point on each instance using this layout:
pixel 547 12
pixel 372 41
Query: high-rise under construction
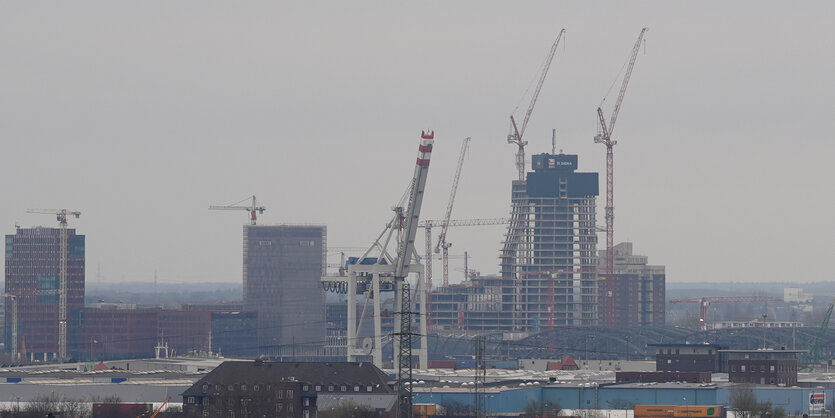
pixel 550 251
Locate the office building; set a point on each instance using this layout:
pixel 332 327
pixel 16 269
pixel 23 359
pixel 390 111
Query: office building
pixel 33 264
pixel 283 265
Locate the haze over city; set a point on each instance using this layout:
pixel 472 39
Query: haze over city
pixel 142 115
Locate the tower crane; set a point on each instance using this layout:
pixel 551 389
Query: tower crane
pixel 429 223
pixel 442 242
pixel 605 138
pixel 253 208
pixel 517 132
pixel 61 217
pixel 705 302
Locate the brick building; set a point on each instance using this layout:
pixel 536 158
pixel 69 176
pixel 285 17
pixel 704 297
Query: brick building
pixel 689 358
pixel 133 333
pixel 763 367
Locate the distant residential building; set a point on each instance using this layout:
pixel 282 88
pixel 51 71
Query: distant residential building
pixel 283 265
pixel 291 389
pixel 33 263
pixel 688 358
pixel 763 367
pixel 796 295
pixel 638 290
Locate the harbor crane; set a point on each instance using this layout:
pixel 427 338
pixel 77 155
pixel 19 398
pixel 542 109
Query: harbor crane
pixel 253 208
pixel 61 216
pixel 379 269
pixel 605 137
pixel 517 132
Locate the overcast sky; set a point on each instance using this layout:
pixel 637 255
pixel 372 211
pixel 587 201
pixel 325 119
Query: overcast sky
pixel 142 114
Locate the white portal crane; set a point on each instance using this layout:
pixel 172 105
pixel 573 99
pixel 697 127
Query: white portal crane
pixel 61 217
pixel 377 269
pixel 253 208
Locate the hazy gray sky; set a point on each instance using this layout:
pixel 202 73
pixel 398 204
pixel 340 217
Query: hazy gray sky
pixel 142 114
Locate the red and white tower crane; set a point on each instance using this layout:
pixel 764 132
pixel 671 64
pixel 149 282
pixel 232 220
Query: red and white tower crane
pixel 61 217
pixel 517 132
pixel 252 208
pixel 442 242
pixel 605 138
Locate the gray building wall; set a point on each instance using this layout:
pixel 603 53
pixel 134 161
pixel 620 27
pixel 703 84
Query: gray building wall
pixel 282 267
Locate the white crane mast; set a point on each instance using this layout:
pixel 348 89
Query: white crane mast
pixel 61 217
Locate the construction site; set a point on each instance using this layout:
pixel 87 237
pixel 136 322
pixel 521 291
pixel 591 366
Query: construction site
pixel 380 302
pixel 565 297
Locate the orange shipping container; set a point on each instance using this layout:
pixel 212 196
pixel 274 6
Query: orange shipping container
pixel 653 411
pixel 697 411
pixel 678 411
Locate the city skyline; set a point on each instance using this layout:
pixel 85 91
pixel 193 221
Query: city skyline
pixel 142 116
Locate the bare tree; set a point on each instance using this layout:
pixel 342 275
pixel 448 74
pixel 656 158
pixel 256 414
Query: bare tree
pixel 743 402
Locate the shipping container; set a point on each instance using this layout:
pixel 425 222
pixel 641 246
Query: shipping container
pixel 428 409
pixel 679 411
pixel 441 364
